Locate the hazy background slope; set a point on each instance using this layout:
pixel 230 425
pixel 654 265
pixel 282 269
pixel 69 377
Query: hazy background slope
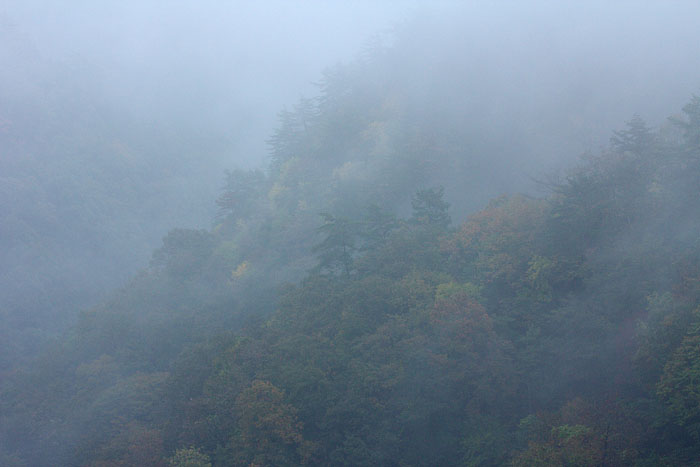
pixel 116 124
pixel 117 120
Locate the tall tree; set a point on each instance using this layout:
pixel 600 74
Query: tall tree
pixel 637 138
pixel 241 192
pixel 337 250
pixel 377 226
pixel 430 209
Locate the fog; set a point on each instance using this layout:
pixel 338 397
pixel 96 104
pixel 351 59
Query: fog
pixel 215 68
pixel 121 121
pixel 120 118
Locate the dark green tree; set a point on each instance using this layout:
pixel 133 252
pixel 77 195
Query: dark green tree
pixel 430 209
pixel 184 252
pixel 377 226
pixel 691 125
pixel 293 135
pixel 637 138
pixel 337 250
pixel 241 192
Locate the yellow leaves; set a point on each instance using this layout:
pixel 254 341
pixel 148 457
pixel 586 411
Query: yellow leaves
pixel 288 176
pixel 189 457
pixel 240 270
pixel 276 190
pixel 351 170
pixel 447 290
pixel 655 188
pixel 539 275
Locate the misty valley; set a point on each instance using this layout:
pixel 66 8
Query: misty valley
pixel 476 242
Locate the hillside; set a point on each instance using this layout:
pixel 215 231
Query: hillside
pixel 355 304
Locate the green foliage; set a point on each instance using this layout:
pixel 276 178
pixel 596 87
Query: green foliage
pixel 294 134
pixel 184 252
pixel 691 124
pixel 189 457
pixel 337 249
pixel 430 209
pixel 241 195
pixel 660 334
pixel 452 289
pixel 580 433
pixel 540 277
pixel 268 430
pixel 377 227
pixel 679 385
pixel 637 138
pixel 484 442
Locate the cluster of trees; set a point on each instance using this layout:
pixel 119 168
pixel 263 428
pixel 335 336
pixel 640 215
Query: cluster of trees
pixel 562 330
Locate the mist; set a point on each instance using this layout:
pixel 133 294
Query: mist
pixel 216 69
pixel 119 119
pixel 171 171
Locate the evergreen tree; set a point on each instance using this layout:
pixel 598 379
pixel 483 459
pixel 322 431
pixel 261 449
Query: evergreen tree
pixel 240 195
pixel 337 250
pixel 430 209
pixel 637 138
pixel 377 226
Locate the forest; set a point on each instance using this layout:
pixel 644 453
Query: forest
pixel 389 289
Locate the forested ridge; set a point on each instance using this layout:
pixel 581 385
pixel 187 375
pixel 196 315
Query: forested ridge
pixel 335 314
